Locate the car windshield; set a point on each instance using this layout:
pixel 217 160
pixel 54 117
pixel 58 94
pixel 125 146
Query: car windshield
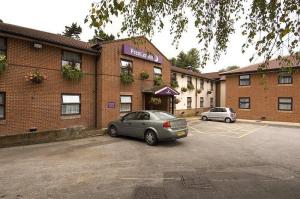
pixel 231 110
pixel 164 115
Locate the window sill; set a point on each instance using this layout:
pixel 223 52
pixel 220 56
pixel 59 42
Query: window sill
pixel 70 117
pixel 282 111
pixel 244 86
pixel 2 122
pixel 244 109
pixel 285 84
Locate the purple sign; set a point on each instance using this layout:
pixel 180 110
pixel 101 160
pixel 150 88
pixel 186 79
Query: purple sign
pixel 111 105
pixel 128 50
pixel 166 91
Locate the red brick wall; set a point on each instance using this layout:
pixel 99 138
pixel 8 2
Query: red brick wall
pixel 39 105
pixel 264 97
pixel 109 81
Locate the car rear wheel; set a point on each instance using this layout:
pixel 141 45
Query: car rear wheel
pixel 151 138
pixel 204 118
pixel 227 120
pixel 112 131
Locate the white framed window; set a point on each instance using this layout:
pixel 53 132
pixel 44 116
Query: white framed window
pixel 285 103
pixel 126 66
pixel 157 72
pixel 71 58
pixel 2 105
pixel 189 102
pixel 201 102
pixel 125 103
pixel 71 104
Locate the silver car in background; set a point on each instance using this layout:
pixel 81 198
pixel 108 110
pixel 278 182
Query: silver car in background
pixel 151 126
pixel 220 114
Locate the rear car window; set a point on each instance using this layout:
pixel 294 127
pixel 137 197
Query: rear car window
pixel 164 115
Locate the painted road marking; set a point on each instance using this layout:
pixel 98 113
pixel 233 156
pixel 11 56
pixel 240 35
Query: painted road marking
pixel 253 131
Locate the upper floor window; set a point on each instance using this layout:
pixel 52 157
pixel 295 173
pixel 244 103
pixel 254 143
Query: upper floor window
pixel 285 79
pixel 189 80
pixel 244 102
pixel 70 104
pixel 157 72
pixel 189 102
pixel 244 80
pixel 285 103
pixel 2 46
pixel 72 59
pixel 201 84
pixel 2 105
pixel 126 66
pixel 173 77
pixel 211 86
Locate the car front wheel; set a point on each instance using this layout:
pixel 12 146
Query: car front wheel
pixel 112 131
pixel 150 138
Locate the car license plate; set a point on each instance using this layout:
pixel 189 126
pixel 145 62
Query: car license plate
pixel 181 133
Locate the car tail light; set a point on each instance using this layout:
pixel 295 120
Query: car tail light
pixel 167 124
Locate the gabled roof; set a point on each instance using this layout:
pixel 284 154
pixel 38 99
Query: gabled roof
pixel 213 75
pixel 210 76
pixel 274 64
pixel 42 36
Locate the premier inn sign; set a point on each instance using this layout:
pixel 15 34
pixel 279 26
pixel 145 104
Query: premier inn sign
pixel 128 50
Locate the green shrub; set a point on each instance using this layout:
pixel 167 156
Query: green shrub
pixel 158 81
pixel 71 73
pixel 183 89
pixel 144 75
pixel 126 78
pixel 155 101
pixel 174 84
pixel 2 63
pixel 199 91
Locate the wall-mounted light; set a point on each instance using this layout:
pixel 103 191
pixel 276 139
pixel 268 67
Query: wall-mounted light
pixel 37 45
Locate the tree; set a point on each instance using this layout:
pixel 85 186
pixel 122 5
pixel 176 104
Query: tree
pixel 190 60
pixel 1 21
pixel 268 25
pixel 229 68
pixel 73 31
pixel 99 33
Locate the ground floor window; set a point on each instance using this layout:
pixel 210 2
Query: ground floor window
pixel 2 105
pixel 189 102
pixel 244 102
pixel 211 102
pixel 285 103
pixel 70 104
pixel 201 102
pixel 125 104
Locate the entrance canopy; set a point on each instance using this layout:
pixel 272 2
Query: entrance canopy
pixel 166 91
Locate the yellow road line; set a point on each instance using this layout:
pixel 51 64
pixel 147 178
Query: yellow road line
pixel 207 133
pixel 253 131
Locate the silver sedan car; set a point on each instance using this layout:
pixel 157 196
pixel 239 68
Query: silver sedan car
pixel 219 113
pixel 152 126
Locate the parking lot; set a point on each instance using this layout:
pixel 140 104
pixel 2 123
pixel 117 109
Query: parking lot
pixel 216 160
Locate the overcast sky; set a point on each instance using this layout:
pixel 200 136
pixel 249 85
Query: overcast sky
pixel 53 15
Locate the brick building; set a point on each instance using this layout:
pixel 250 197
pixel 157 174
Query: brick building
pixel 93 101
pixel 272 95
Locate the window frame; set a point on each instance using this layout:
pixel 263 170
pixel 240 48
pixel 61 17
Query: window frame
pixel 5 43
pixel 129 71
pixel 248 102
pixel 201 101
pixel 285 75
pixel 126 103
pixel 249 79
pixel 202 84
pixel 211 85
pixel 173 76
pixel 187 102
pixel 62 55
pixel 156 75
pixel 62 103
pixel 3 105
pixel 291 98
pixel 211 102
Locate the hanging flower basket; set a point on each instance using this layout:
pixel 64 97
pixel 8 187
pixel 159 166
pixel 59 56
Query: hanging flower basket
pixel 126 78
pixel 36 77
pixel 155 101
pixel 177 101
pixel 183 89
pixel 199 91
pixel 158 81
pixel 209 92
pixel 190 86
pixel 71 73
pixel 2 63
pixel 144 75
pixel 174 84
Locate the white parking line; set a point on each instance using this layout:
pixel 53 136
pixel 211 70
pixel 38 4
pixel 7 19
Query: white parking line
pixel 253 131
